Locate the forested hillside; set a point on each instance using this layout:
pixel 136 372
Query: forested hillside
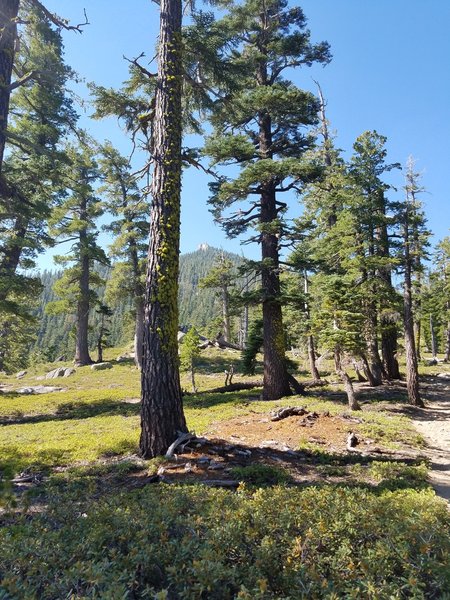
pixel 199 307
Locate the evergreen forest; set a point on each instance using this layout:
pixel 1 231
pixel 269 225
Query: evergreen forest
pixel 269 424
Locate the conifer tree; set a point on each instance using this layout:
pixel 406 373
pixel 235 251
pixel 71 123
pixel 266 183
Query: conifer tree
pixel 130 227
pixel 105 314
pixel 414 242
pixel 11 14
pixel 368 166
pixel 336 306
pixel 74 222
pixel 442 289
pixel 221 278
pixel 259 126
pixel 189 353
pixel 41 115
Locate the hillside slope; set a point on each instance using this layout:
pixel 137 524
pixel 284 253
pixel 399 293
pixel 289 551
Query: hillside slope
pixel 198 307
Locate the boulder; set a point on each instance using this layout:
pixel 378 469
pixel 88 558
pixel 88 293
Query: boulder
pixel 432 362
pixel 21 374
pixel 61 358
pixel 125 357
pixel 101 366
pixel 60 372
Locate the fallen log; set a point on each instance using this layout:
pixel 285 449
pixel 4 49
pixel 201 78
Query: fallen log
pixel 184 437
pixel 221 342
pixel 233 387
pixel 289 411
pixel 224 483
pixel 296 387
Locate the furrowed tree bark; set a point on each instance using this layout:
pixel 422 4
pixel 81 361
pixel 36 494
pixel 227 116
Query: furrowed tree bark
pixel 8 36
pixel 162 417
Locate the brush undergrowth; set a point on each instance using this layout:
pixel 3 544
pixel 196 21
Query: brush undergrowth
pixel 82 535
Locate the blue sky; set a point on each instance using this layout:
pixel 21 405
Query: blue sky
pixel 389 72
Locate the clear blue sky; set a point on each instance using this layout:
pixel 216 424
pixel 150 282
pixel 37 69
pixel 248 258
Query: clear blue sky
pixel 390 72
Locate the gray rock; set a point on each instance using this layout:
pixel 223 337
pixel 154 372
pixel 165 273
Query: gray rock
pixel 61 358
pixel 430 363
pixel 125 357
pixel 39 389
pixel 444 375
pixel 101 366
pixel 60 372
pixel 21 374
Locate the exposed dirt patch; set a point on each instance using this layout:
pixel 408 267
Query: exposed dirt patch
pixel 257 430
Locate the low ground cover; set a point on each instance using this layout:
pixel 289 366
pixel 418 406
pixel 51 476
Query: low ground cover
pixel 87 518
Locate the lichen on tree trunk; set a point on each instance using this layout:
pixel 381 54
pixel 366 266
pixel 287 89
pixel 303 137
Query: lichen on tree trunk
pixel 162 416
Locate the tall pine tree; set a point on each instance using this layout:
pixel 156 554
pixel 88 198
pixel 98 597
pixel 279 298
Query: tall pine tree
pixel 260 128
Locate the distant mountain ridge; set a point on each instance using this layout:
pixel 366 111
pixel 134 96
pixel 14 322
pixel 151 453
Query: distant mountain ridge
pixel 198 307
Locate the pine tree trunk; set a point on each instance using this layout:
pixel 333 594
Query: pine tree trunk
pixel 194 387
pixel 139 334
pixel 368 372
pixel 310 341
pixel 82 356
pixel 276 378
pixel 374 361
pixel 100 350
pixel 447 343
pixel 312 359
pixel 348 385
pixel 412 371
pixel 418 336
pixel 433 338
pixel 389 351
pixel 162 416
pixel 226 314
pixel 8 29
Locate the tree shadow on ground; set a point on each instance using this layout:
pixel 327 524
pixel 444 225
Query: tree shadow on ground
pixel 208 400
pixel 219 363
pixel 76 410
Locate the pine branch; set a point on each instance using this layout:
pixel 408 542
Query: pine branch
pixel 142 69
pixel 58 21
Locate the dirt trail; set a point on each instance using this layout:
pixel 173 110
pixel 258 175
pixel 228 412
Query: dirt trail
pixel 433 423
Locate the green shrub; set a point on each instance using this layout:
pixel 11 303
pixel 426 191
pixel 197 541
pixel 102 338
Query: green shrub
pixel 261 475
pixel 195 543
